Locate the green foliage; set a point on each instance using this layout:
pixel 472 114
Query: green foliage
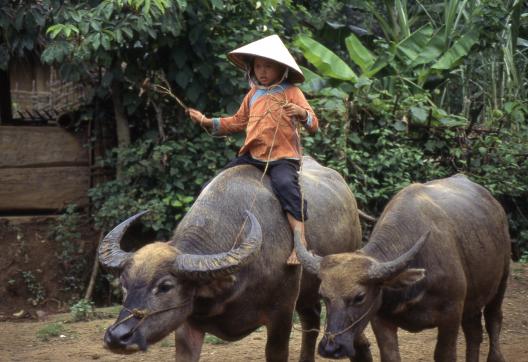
pixel 324 60
pixel 70 252
pixel 21 26
pixel 38 294
pixel 524 258
pixel 402 119
pixel 210 339
pixel 416 91
pixel 82 310
pixel 49 331
pixel 167 342
pixel 163 178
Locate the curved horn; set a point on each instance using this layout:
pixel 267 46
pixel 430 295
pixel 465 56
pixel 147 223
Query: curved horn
pixel 388 270
pixel 110 253
pixel 205 267
pixel 312 263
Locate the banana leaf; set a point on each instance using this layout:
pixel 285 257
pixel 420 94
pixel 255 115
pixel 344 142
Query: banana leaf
pixel 358 53
pixel 411 47
pixel 459 50
pixel 326 61
pixel 313 82
pixel 432 50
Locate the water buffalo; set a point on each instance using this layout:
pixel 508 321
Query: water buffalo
pixel 203 280
pixel 437 256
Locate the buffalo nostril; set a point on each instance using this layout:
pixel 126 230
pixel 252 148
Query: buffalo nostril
pixel 125 337
pixel 330 349
pixel 117 336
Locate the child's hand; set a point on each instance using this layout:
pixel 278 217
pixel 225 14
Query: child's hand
pixel 293 110
pixel 199 118
pixel 196 115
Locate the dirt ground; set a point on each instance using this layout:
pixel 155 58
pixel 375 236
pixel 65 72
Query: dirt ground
pixel 82 341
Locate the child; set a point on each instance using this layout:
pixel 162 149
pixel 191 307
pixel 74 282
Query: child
pixel 269 114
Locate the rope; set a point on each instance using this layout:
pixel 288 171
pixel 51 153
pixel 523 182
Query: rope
pixel 331 335
pixel 270 110
pixel 143 314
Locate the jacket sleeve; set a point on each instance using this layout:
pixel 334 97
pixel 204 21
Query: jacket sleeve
pixel 311 123
pixel 235 123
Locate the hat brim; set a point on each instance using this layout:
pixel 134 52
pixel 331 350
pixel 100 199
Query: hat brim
pixel 243 61
pixel 272 48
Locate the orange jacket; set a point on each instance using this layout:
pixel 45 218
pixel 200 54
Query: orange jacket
pixel 270 133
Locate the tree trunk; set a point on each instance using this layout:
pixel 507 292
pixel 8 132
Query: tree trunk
pixel 6 114
pixel 159 119
pixel 122 127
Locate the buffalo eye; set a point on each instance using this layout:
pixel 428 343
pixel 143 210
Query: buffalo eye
pixel 164 288
pixel 357 299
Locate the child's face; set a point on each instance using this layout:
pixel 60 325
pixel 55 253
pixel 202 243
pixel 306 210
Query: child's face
pixel 267 71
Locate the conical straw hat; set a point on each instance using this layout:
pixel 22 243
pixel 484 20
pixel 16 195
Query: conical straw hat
pixel 270 47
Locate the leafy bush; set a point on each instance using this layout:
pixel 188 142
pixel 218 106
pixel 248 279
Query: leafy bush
pixel 163 177
pixel 70 250
pixel 403 107
pixel 38 294
pixel 82 310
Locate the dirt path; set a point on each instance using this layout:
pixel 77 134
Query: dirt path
pixel 82 341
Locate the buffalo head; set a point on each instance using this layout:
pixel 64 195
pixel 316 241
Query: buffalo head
pixel 351 288
pixel 160 282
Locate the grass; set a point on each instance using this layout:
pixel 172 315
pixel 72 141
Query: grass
pixel 50 331
pixel 167 342
pixel 210 339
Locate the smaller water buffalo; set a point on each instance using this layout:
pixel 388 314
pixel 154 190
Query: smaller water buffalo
pixel 437 257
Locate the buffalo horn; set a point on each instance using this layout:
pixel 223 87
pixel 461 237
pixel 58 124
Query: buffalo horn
pixel 110 253
pixel 207 267
pixel 311 263
pixel 390 269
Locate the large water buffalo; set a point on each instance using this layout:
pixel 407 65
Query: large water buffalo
pixel 437 257
pixel 205 280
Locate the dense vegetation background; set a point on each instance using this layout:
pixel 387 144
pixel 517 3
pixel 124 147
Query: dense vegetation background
pixel 406 91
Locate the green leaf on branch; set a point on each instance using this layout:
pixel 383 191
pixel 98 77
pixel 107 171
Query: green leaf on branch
pixel 420 114
pixel 55 30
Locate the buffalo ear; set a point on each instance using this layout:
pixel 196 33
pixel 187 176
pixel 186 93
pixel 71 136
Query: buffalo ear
pixel 405 278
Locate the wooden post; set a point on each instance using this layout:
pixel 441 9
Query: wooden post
pixel 95 270
pixel 6 112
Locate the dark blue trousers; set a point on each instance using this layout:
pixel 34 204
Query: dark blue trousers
pixel 284 175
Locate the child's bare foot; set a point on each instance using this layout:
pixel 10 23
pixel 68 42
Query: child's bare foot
pixel 292 259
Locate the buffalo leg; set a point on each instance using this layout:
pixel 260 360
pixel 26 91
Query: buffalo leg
pixel 445 350
pixel 309 309
pixel 188 343
pixel 278 336
pixel 362 347
pixel 387 337
pixel 493 317
pixel 310 323
pixel 472 327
